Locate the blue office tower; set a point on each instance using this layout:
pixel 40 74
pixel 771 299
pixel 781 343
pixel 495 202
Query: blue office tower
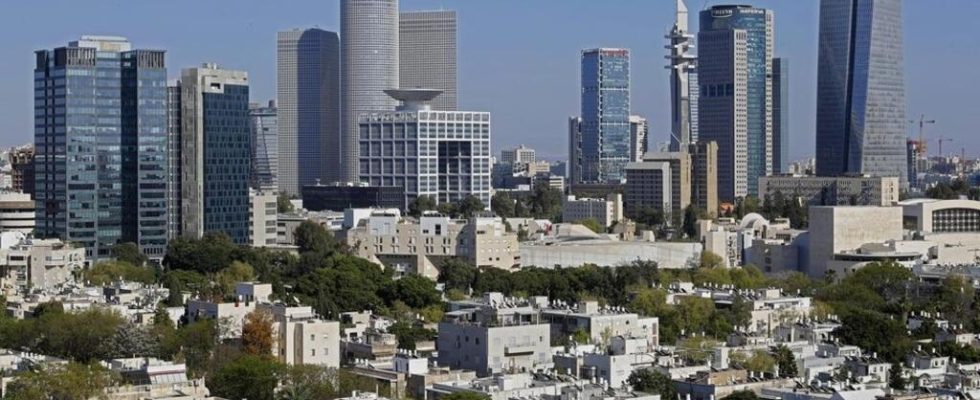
pixel 605 125
pixel 735 99
pixel 100 134
pixel 861 120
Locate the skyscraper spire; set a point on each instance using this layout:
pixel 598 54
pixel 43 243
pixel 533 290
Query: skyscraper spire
pixel 681 64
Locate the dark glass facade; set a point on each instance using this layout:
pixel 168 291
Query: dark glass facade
pixel 227 156
pixel 100 137
pixel 605 125
pixel 339 198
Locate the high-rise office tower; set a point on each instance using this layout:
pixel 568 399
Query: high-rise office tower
pixel 369 66
pixel 308 93
pixel 605 114
pixel 216 152
pixel 780 115
pixel 427 54
pixel 173 160
pixel 861 122
pixel 735 102
pixel 704 175
pixel 409 147
pixel 263 122
pixel 681 65
pixel 101 145
pixel 574 150
pixel 693 93
pixel 638 137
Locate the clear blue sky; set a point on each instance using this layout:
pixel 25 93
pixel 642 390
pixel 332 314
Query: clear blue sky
pixel 517 58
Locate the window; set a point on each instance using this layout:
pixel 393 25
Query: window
pixel 313 352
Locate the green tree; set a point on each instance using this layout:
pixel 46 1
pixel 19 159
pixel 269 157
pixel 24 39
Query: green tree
pixel 455 273
pixel 502 205
pixel 469 205
pixel 896 377
pixel 209 254
pixel 741 395
pixel 760 361
pixel 129 252
pixel 465 395
pixel 420 205
pixel 711 260
pixel 545 202
pixel 197 342
pixel 72 381
pixel 247 377
pixel 785 361
pixel 131 340
pixel 416 291
pixel 650 381
pixel 311 236
pixel 229 277
pixel 307 382
pixel 106 272
pixel 650 217
pixel 283 205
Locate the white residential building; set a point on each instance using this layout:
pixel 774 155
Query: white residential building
pixel 604 211
pixel 300 337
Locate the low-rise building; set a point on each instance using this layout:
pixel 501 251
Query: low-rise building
pixel 832 191
pixel 838 229
pixel 604 211
pixel 536 386
pixel 300 337
pixel 262 219
pixel 230 315
pixel 600 322
pixel 16 212
pixel 39 264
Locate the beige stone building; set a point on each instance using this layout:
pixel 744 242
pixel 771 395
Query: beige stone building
pixel 43 264
pixel 662 181
pixel 418 247
pixel 838 229
pixel 833 191
pixel 300 337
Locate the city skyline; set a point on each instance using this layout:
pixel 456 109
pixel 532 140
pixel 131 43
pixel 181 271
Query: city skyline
pixel 487 83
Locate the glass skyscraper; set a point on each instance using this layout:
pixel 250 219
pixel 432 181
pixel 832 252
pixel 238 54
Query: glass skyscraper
pixel 735 101
pixel 605 126
pixel 780 115
pixel 308 90
pixel 216 152
pixel 861 120
pixel 101 141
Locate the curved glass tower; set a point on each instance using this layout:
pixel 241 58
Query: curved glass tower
pixel 861 89
pixel 369 66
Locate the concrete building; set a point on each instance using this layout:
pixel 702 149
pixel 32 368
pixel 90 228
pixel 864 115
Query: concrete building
pixel 597 322
pixel 216 155
pixel 301 338
pixel 567 249
pixel 40 264
pixel 518 155
pixel 780 115
pixel 834 230
pixel 418 247
pixel 833 191
pixel 248 295
pixel 16 212
pixel 308 93
pixel 441 154
pixel 942 216
pixel 495 335
pixel 736 46
pixel 533 386
pixel 662 181
pixel 369 65
pixel 605 126
pixel 704 176
pixel 263 123
pixel 604 211
pixel 427 54
pixel 682 64
pixel 861 120
pixel 263 218
pixel 113 190
pixel 639 128
pixel 22 169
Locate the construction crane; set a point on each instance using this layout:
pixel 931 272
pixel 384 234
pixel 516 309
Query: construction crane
pixel 941 140
pixel 922 123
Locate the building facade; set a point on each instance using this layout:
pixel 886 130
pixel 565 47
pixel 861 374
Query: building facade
pixel 342 197
pixel 263 123
pixel 662 181
pixel 263 222
pixel 605 125
pixel 441 154
pixel 43 264
pixel 173 160
pixel 604 211
pixel 861 116
pixel 735 102
pixel 518 155
pixel 308 92
pixel 369 64
pixel 101 145
pixel 704 176
pixel 638 137
pixel 574 150
pixel 682 64
pixel 833 191
pixel 301 338
pixel 216 156
pixel 427 54
pixel 17 212
pixel 780 115
pixel 22 169
pixel 837 229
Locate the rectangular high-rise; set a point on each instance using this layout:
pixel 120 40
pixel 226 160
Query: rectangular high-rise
pixel 308 99
pixel 264 124
pixel 639 127
pixel 605 128
pixel 173 159
pixel 216 152
pixel 441 154
pixel 662 182
pixel 101 145
pixel 861 121
pixel 427 54
pixel 369 66
pixel 735 99
pixel 780 115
